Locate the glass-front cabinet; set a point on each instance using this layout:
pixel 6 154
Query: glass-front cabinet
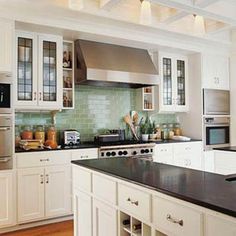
pixel 173 87
pixel 39 71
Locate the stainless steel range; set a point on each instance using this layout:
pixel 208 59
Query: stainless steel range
pixel 127 149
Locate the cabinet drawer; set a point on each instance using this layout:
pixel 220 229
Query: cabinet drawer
pixel 183 148
pixel 163 149
pixel 135 201
pixel 34 159
pixel 176 219
pixel 87 153
pixel 105 188
pixel 82 179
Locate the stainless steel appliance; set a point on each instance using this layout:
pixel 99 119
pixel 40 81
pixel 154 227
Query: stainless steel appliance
pixel 6 142
pixel 216 132
pixel 5 94
pixel 104 64
pixel 127 149
pixel 114 135
pixel 216 102
pixel 71 138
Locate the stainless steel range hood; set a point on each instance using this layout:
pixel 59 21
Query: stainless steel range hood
pixel 103 64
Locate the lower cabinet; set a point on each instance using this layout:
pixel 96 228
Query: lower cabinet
pixel 104 219
pixel 43 193
pixel 82 207
pixel 7 203
pixel 187 155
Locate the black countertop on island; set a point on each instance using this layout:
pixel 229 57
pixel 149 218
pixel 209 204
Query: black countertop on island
pixel 228 149
pixel 201 188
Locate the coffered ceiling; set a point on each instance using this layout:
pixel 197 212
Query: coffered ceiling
pixel 170 15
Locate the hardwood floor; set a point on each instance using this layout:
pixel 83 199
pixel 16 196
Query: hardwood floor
pixel 58 229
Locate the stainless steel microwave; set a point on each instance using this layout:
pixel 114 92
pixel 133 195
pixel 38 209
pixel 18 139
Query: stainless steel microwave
pixel 216 102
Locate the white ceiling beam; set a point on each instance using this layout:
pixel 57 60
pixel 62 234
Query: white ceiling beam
pixel 181 14
pixel 108 4
pixel 191 9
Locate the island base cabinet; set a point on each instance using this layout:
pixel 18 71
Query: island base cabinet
pixel 218 226
pixel 82 214
pixel 104 219
pixel 174 219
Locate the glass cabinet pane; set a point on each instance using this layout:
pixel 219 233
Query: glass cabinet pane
pixel 49 71
pixel 167 81
pixel 24 69
pixel 181 82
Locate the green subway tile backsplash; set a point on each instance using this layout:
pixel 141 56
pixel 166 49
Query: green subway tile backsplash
pixel 96 109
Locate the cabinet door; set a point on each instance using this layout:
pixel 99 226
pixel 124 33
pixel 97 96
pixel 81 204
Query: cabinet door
pixel 30 194
pixel 104 219
pixel 181 89
pixel 6 44
pixel 222 71
pixel 167 83
pixel 50 71
pixel 6 199
pixel 82 214
pixel 58 190
pixel 26 68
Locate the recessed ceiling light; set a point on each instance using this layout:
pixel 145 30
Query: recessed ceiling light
pixel 145 13
pixel 199 25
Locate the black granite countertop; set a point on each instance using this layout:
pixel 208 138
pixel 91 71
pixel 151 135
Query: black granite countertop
pixel 229 149
pixel 97 145
pixel 202 188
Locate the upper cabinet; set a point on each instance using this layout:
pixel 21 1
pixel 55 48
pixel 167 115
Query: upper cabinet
pixel 6 45
pixel 39 71
pixel 215 74
pixel 174 83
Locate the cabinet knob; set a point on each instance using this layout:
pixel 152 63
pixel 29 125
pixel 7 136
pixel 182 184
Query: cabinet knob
pixel 35 96
pixel 40 96
pixel 132 201
pixel 41 179
pixel 47 179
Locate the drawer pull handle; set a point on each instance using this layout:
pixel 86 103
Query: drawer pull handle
pixel 169 218
pixel 132 202
pixel 47 179
pixel 44 160
pixel 84 157
pixel 41 179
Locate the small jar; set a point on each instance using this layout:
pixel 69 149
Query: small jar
pixel 171 131
pixel 164 132
pixel 27 133
pixel 39 133
pixel 177 130
pixel 158 131
pixel 52 134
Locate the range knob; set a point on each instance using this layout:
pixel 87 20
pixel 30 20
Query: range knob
pixel 120 153
pixel 134 153
pixel 113 154
pixel 142 151
pixel 146 150
pixel 125 152
pixel 108 154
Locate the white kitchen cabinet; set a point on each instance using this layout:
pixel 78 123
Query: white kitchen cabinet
pixel 86 153
pixel 188 154
pixel 183 154
pixel 39 71
pixel 225 162
pixel 104 219
pixel 218 225
pixel 6 45
pixel 215 72
pixel 30 194
pixel 82 206
pixel 163 153
pixel 7 204
pixel 208 161
pixel 43 193
pixel 174 83
pixel 57 190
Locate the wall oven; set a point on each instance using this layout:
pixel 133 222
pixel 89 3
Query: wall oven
pixel 6 142
pixel 5 94
pixel 216 102
pixel 216 132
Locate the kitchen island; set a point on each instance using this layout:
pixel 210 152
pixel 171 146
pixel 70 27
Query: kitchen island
pixel 126 196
